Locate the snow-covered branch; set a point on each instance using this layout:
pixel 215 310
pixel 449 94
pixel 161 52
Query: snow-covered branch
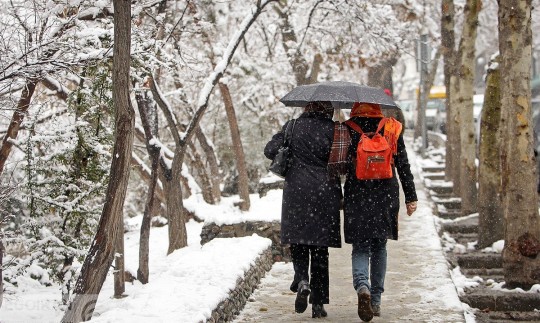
pixel 220 68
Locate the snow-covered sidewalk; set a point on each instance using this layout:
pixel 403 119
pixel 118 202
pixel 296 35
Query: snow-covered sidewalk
pixel 419 287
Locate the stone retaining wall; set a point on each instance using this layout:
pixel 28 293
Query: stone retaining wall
pixel 270 230
pixel 235 302
pixel 227 309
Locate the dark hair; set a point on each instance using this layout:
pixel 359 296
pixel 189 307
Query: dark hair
pixel 320 106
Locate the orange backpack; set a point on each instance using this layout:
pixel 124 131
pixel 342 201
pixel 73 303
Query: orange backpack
pixel 373 154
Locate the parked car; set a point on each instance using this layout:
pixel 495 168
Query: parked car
pixel 435 109
pixel 436 115
pixel 409 112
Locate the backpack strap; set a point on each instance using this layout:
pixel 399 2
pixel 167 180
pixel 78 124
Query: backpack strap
pixel 357 128
pixel 381 124
pixel 354 126
pixel 392 130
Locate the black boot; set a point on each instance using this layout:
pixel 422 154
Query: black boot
pixel 301 302
pixel 317 310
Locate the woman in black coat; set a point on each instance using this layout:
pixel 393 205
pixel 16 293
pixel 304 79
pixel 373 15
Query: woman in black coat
pixel 371 211
pixel 310 221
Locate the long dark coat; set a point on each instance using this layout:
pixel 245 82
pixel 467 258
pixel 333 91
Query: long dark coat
pixel 371 206
pixel 310 207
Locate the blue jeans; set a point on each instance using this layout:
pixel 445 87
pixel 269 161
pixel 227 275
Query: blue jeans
pixel 369 264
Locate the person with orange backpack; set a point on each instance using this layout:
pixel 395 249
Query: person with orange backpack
pixel 371 199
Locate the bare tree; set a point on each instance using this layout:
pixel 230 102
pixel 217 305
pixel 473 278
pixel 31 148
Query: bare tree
pixel 150 129
pixel 175 209
pixel 448 43
pixel 211 159
pixel 521 262
pixel 461 100
pixel 491 215
pixel 243 180
pixel 101 253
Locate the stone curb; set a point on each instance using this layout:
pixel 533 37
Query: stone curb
pixel 491 305
pixel 503 301
pixel 230 307
pixel 265 229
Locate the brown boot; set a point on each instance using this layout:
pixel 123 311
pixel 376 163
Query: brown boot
pixel 365 312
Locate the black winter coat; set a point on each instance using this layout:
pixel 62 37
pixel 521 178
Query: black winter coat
pixel 371 206
pixel 311 200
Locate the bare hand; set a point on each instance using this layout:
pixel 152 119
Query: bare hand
pixel 411 207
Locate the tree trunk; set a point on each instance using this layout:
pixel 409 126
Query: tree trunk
pixel 491 216
pixel 243 180
pixel 381 74
pixel 315 69
pixel 298 62
pixel 173 178
pixel 521 261
pixel 101 253
pixel 215 177
pixel 428 83
pixel 468 189
pixel 201 174
pixel 448 43
pixel 153 152
pixel 452 121
pixel 143 271
pixel 146 174
pixel 119 260
pixel 1 274
pixel 175 215
pixel 16 121
pixel 144 244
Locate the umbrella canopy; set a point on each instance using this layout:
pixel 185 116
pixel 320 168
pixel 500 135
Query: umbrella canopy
pixel 341 94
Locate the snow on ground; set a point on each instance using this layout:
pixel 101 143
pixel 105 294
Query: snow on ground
pixel 184 286
pixel 267 208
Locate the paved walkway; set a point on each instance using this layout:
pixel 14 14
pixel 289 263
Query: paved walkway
pixel 418 285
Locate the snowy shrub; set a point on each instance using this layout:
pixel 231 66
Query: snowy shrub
pixel 63 178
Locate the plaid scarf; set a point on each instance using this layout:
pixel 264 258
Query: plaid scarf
pixel 337 163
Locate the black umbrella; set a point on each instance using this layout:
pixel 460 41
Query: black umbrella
pixel 341 94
